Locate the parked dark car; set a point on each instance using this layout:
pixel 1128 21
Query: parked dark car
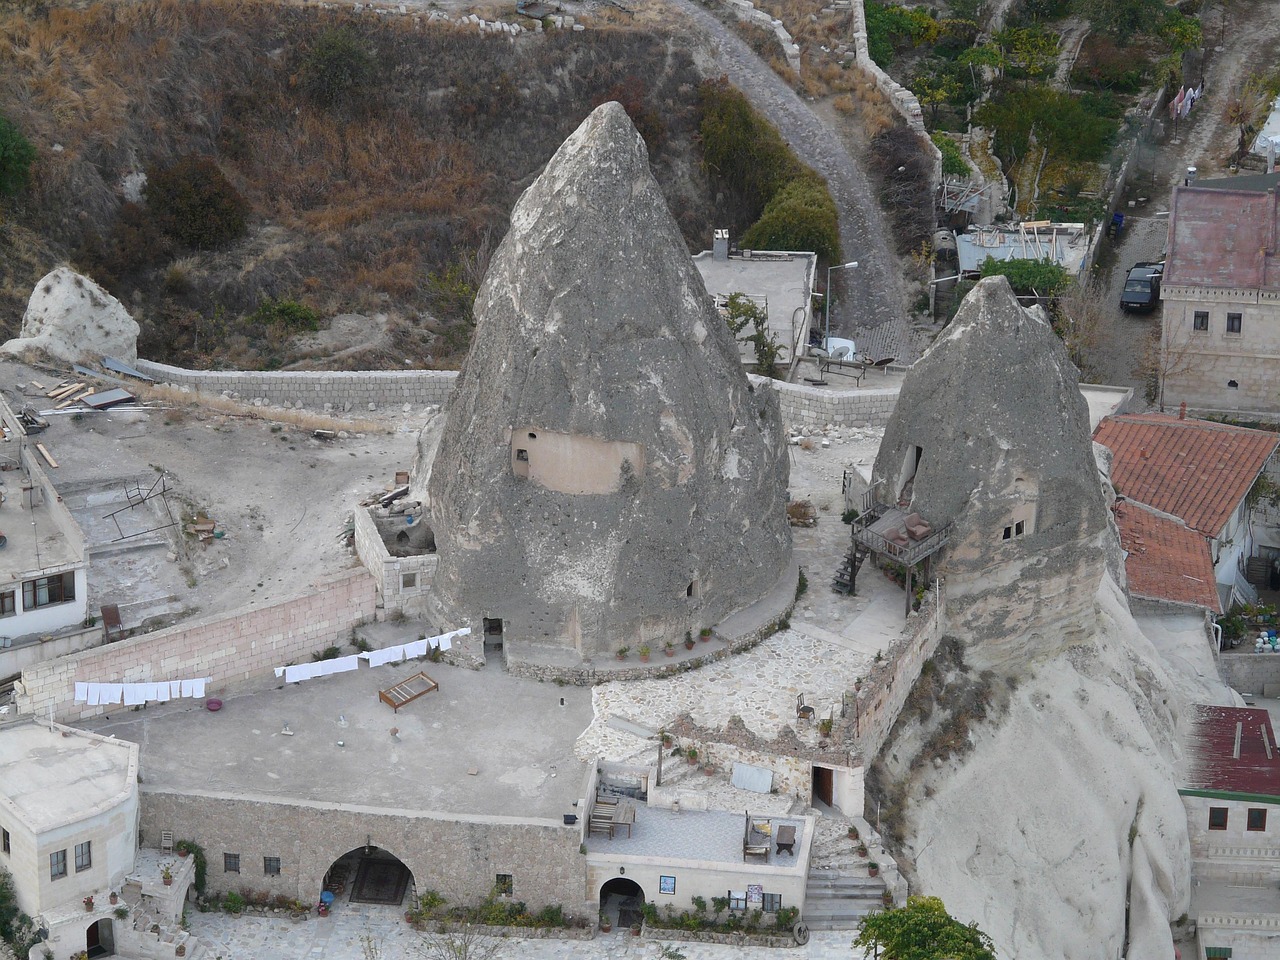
pixel 1142 287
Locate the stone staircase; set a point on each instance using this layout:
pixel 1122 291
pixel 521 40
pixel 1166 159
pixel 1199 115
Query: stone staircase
pixel 837 898
pixel 156 936
pixel 839 892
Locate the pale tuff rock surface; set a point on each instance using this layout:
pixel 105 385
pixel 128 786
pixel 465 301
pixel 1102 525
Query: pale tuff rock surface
pixel 1002 433
pixel 606 475
pixel 1064 806
pixel 71 318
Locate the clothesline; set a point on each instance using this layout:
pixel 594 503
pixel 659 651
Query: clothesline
pixel 136 694
pixel 296 673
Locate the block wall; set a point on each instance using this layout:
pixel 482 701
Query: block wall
pixel 342 391
pixel 877 705
pixel 234 650
pixel 804 406
pixel 457 855
pixel 391 572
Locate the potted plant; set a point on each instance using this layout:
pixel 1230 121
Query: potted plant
pixel 635 929
pixel 873 869
pixel 669 649
pixel 644 653
pixel 688 640
pixel 857 684
pixel 114 898
pixel 606 925
pixel 862 849
pixel 887 897
pixel 709 769
pixel 692 756
pixel 182 847
pixel 166 875
pixel 705 634
pixel 121 912
pixel 825 725
pixel 853 832
pixel 622 652
pixel 88 903
pixel 666 739
pixel 180 950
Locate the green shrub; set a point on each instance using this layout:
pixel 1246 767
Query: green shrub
pixel 336 68
pixel 16 156
pixel 953 163
pixel 1071 128
pixel 201 862
pixel 1028 277
pixel 740 146
pixel 194 203
pixel 233 902
pixel 801 216
pixel 286 314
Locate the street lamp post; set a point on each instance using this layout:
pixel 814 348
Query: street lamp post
pixel 827 319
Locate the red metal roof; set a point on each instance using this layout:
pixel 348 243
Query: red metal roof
pixel 1166 560
pixel 1223 238
pixel 1215 763
pixel 1191 469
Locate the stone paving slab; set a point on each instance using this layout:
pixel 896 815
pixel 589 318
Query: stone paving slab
pixel 339 937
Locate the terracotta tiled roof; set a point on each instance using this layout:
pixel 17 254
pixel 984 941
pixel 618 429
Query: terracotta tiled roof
pixel 1166 560
pixel 1223 238
pixel 1212 744
pixel 1191 469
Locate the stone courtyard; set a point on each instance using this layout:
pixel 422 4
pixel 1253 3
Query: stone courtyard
pixel 364 932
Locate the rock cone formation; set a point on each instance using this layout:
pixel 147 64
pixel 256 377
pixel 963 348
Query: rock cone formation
pixel 1074 747
pixel 606 475
pixel 71 318
pixel 991 434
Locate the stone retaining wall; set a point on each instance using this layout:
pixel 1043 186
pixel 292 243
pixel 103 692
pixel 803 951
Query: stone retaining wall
pixel 541 855
pixel 728 939
pixel 805 406
pixel 344 392
pixel 879 702
pixel 746 10
pixel 234 650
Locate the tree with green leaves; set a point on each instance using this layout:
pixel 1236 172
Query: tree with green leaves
pixel 742 312
pixel 1042 278
pixel 1122 19
pixel 923 930
pixel 16 156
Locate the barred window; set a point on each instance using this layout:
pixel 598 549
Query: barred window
pixel 231 863
pixel 271 866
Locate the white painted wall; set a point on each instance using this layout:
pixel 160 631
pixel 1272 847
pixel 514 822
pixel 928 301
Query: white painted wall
pixel 50 618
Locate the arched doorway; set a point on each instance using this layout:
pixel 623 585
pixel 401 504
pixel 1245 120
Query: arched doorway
pixel 368 874
pixel 100 939
pixel 622 900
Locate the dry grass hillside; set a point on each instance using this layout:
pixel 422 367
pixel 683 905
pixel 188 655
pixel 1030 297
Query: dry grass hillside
pixel 373 188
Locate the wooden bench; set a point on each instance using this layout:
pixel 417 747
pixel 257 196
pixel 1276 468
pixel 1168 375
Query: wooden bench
pixel 407 690
pixel 786 839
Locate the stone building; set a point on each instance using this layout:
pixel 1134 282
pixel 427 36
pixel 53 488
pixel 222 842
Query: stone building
pixel 607 476
pixel 1220 328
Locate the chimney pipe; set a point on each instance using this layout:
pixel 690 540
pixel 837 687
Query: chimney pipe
pixel 720 244
pixel 1182 410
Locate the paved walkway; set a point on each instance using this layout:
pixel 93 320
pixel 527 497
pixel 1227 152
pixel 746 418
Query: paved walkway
pixel 388 937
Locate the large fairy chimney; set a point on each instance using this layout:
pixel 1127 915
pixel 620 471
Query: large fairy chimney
pixel 607 476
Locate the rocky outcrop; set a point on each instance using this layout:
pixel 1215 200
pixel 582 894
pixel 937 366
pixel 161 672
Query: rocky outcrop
pixel 606 475
pixel 991 435
pixel 1044 805
pixel 71 318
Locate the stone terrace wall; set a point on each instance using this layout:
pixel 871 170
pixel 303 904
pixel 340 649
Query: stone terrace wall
pixel 313 390
pixel 354 391
pixel 1250 673
pixel 458 855
pixel 804 406
pixel 883 693
pixel 233 649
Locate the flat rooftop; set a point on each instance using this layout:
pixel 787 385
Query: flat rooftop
pixel 783 278
pixel 709 835
pixel 48 778
pixel 36 539
pixel 517 735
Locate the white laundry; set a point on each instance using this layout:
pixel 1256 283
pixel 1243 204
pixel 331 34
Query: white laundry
pixel 134 695
pixel 175 688
pixel 345 664
pixel 112 692
pixel 446 642
pixel 416 649
pixel 82 692
pixel 162 692
pixel 279 671
pixel 187 688
pixel 197 686
pixel 94 694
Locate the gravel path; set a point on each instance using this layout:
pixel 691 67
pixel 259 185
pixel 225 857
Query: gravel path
pixel 873 311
